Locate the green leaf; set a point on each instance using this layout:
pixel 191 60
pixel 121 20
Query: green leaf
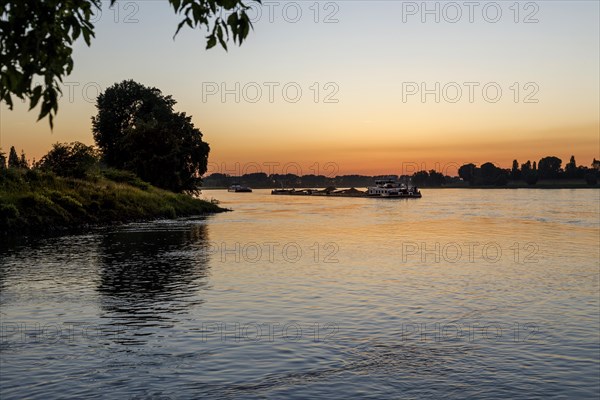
pixel 212 41
pixel 87 35
pixel 220 36
pixel 233 23
pixel 197 13
pixel 76 31
pixel 176 4
pixel 179 27
pixel 35 97
pixel 232 20
pixel 229 4
pixel 8 101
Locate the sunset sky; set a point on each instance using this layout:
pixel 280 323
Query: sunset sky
pixel 361 66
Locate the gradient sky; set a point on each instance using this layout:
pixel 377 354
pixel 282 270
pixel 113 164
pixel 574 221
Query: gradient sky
pixel 373 51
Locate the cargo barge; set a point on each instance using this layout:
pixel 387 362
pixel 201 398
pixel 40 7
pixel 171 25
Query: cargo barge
pixel 384 189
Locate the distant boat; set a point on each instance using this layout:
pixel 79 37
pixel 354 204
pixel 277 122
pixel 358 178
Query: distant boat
pixel 301 192
pixel 239 189
pixel 391 188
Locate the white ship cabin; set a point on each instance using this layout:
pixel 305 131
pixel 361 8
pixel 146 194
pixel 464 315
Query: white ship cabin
pixel 386 187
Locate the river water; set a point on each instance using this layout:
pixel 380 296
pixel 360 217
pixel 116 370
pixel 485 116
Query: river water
pixel 460 294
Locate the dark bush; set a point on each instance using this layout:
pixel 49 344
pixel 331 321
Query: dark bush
pixel 74 160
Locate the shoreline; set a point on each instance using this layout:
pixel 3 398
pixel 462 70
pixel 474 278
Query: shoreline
pixel 39 203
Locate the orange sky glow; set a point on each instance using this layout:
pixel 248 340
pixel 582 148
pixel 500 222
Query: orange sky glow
pixel 388 98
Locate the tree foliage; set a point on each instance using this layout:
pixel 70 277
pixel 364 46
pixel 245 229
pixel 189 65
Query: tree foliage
pixel 2 160
pixel 487 175
pixel 531 173
pixel 525 168
pixel 137 130
pixel 549 167
pixel 37 38
pixel 70 159
pixel 490 174
pixel 571 168
pixel 431 178
pixel 13 158
pixel 467 172
pixel 23 163
pixel 515 173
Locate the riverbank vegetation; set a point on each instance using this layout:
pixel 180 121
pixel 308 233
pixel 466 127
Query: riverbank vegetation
pixel 147 164
pixel 40 201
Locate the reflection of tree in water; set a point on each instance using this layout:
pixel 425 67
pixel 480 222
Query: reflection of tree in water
pixel 151 274
pixel 49 268
pixel 12 250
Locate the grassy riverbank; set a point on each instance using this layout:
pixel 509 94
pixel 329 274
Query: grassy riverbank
pixel 32 201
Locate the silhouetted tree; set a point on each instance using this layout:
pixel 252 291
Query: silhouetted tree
pixel 534 167
pixel 23 163
pixel 420 178
pixel 515 173
pixel 525 168
pixel 287 180
pixel 467 172
pixel 436 179
pixel 492 175
pixel 70 159
pixel 549 167
pixel 596 164
pixel 571 168
pixel 217 179
pixel 137 130
pixel 2 160
pixel 13 158
pixel 314 180
pixel 350 181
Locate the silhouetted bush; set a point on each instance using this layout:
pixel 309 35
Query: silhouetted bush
pixel 70 160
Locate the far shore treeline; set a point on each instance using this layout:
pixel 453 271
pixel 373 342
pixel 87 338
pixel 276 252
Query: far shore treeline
pixel 548 172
